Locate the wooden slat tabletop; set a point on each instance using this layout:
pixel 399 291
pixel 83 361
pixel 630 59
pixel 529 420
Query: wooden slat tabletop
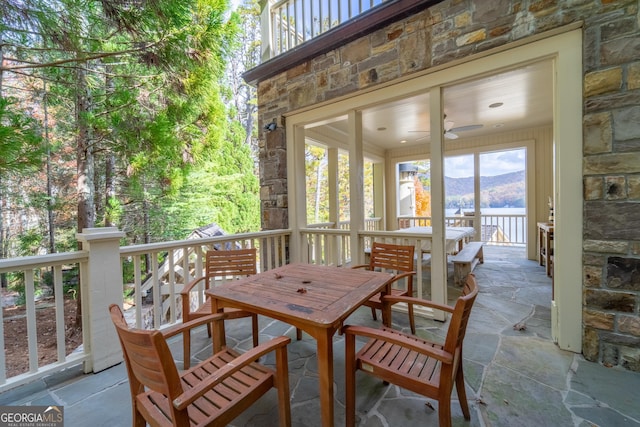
pixel 315 294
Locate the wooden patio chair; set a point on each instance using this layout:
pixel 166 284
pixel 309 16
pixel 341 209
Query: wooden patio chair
pixel 399 259
pixel 212 393
pixel 220 266
pixel 416 364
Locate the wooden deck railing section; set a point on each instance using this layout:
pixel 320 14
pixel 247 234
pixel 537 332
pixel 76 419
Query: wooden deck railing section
pixel 158 272
pixel 33 273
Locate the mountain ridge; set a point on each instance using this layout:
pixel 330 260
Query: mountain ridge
pixel 505 190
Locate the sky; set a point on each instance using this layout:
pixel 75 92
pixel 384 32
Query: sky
pixel 491 164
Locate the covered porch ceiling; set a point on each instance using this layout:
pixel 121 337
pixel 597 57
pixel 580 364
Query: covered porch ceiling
pixel 514 99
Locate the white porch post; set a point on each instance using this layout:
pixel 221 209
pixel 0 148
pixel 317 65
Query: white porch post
pixel 356 181
pixel 438 248
pixel 297 197
pixel 101 286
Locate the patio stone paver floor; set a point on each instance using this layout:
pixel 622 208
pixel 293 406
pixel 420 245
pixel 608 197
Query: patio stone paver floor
pixel 515 377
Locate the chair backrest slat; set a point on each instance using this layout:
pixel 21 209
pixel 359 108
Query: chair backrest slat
pixel 392 257
pixel 227 264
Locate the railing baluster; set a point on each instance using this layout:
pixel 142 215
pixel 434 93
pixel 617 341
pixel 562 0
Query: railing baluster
pixel 137 287
pixel 58 296
pixel 172 286
pixel 3 360
pixel 157 305
pixel 29 294
pixel 290 44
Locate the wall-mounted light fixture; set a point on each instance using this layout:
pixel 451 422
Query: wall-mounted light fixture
pixel 270 127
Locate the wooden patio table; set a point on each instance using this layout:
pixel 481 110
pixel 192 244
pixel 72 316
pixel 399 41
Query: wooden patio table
pixel 314 298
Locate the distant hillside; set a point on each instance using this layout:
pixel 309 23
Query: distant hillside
pixel 497 191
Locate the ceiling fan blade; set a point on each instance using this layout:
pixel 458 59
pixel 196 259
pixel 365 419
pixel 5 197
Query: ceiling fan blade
pixel 450 135
pixel 448 125
pixel 466 128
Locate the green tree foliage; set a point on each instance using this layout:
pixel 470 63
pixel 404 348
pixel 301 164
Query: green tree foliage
pixel 316 184
pixel 20 141
pixel 138 112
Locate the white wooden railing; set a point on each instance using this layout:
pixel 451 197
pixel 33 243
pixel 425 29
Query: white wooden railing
pixel 500 229
pixel 171 264
pixel 30 272
pixel 159 271
pixel 332 247
pixel 293 22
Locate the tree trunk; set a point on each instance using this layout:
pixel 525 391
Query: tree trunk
pixel 85 166
pixel 86 214
pixel 109 191
pixel 3 276
pixel 110 160
pixel 52 242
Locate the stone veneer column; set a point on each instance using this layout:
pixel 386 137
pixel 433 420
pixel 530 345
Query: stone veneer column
pixel 101 286
pixel 273 180
pixel 611 270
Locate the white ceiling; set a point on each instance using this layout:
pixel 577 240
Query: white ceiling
pixel 525 93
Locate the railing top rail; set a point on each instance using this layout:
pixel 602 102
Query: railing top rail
pixel 279 3
pixel 321 225
pixel 161 246
pixel 336 231
pixel 37 261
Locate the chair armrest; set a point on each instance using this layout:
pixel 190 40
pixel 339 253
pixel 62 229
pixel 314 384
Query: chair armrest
pixel 408 275
pixel 392 299
pixel 402 340
pixel 361 266
pixel 403 275
pixel 186 398
pixel 187 288
pixel 178 329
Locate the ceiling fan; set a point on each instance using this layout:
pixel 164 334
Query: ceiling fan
pixel 449 130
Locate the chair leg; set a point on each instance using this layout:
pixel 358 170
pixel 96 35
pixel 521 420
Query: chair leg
pixel 138 419
pixel 444 411
pixel 373 313
pixel 412 320
pixel 350 380
pixel 462 394
pixel 298 334
pixel 186 349
pixel 282 385
pixel 254 329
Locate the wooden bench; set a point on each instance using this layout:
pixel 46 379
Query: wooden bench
pixel 466 260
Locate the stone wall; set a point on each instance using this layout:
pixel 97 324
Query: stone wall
pixel 612 187
pixel 456 28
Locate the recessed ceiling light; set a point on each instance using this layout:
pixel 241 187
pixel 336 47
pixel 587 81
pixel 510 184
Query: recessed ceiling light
pixel 382 128
pixel 496 105
pixel 404 141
